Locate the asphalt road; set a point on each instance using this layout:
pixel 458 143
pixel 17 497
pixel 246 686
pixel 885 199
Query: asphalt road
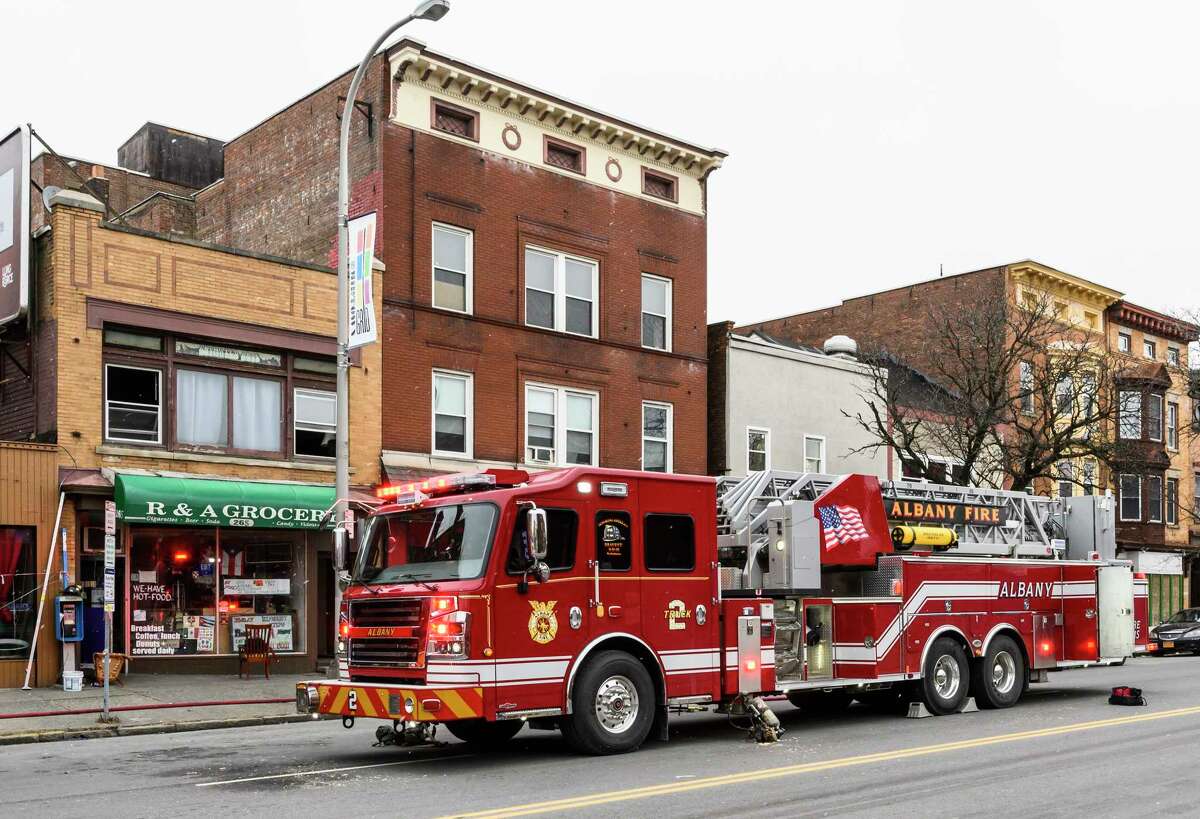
pixel 1063 751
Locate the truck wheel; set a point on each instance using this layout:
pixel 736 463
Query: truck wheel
pixel 821 702
pixel 484 734
pixel 946 681
pixel 1001 675
pixel 612 705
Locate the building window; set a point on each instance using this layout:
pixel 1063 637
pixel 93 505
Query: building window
pixel 669 542
pixel 1063 395
pixel 115 337
pixel 1089 477
pixel 660 185
pixel 452 262
pixel 1149 349
pixel 452 405
pixel 1066 482
pixel 1154 418
pixel 1172 501
pixel 1172 425
pixel 758 449
pixel 1154 499
pixel 560 292
pixel 1026 387
pixel 1124 342
pixel 814 454
pixel 560 426
pixel 657 434
pixel 454 119
pixel 132 404
pixel 1173 356
pixel 656 312
pixel 1131 497
pixel 1131 415
pixel 315 426
pixel 1091 320
pixel 188 393
pixel 18 589
pixel 559 154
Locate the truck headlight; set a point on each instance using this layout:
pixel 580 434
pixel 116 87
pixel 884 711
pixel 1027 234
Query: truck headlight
pixel 449 636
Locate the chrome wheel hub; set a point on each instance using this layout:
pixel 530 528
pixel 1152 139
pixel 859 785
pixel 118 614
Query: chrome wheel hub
pixel 946 677
pixel 1004 672
pixel 616 704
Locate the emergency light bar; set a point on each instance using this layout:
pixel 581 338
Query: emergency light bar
pixel 447 484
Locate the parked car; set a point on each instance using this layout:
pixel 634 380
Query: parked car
pixel 1181 632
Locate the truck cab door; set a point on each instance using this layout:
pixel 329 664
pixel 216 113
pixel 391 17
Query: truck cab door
pixel 540 626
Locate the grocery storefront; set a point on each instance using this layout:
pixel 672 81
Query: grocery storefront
pixel 204 558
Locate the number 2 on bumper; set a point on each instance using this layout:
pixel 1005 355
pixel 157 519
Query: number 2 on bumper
pixel 352 700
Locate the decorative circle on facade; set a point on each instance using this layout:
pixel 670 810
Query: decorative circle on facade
pixel 613 169
pixel 511 137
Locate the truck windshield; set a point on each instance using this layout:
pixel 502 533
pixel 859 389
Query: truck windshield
pixel 440 543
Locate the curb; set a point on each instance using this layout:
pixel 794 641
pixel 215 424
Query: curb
pixel 102 731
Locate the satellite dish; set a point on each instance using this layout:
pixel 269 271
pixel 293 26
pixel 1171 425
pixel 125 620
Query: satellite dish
pixel 48 193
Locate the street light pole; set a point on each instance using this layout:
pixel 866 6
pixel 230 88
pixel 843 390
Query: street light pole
pixel 432 10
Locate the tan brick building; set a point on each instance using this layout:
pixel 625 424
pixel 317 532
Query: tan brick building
pixel 193 385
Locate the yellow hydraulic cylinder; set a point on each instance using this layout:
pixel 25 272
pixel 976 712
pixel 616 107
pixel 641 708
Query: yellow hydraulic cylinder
pixel 936 537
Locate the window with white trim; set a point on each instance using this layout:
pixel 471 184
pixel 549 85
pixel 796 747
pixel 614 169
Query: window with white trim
pixel 1154 418
pixel 758 449
pixel 1131 415
pixel 1130 488
pixel 1026 387
pixel 560 426
pixel 657 434
pixel 1172 425
pixel 561 292
pixel 452 262
pixel 132 404
pixel 1066 482
pixel 1089 477
pixel 1124 342
pixel 1149 349
pixel 1172 501
pixel 1173 356
pixel 453 427
pixel 315 424
pixel 1063 395
pixel 814 454
pixel 656 312
pixel 1154 499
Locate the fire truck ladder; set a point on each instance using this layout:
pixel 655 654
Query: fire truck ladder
pixel 1032 523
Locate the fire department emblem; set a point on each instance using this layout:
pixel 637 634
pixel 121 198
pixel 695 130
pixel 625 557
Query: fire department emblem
pixel 543 624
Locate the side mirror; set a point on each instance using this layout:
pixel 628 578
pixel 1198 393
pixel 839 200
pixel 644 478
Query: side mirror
pixel 339 549
pixel 537 533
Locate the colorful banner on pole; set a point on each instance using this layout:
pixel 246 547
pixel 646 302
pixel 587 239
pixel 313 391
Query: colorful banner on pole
pixel 361 298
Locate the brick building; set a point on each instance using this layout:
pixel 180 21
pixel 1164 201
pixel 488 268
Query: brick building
pixel 193 386
pixel 1154 349
pixel 545 285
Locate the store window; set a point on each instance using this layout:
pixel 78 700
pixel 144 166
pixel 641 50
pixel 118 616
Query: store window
pixel 186 393
pixel 193 591
pixel 18 590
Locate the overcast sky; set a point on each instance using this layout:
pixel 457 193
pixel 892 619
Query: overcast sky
pixel 870 143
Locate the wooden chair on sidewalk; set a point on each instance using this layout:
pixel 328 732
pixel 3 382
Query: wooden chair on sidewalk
pixel 256 648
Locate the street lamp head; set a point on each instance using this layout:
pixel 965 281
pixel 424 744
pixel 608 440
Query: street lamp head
pixel 432 10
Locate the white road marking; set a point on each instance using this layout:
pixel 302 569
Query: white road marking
pixel 331 770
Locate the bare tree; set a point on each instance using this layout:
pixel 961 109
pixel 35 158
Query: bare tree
pixel 1007 391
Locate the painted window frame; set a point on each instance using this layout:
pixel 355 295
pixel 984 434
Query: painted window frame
pixel 1124 342
pixel 1171 501
pixel 468 274
pixel 1121 497
pixel 560 290
pixel 823 458
pixel 766 447
pixel 1154 511
pixel 560 423
pixel 1171 425
pixel 549 142
pixel 436 102
pixel 468 419
pixel 1155 401
pixel 308 425
pixel 1173 355
pixel 1149 349
pixel 1125 412
pixel 162 405
pixel 1025 387
pixel 667 317
pixel 670 433
pixel 660 176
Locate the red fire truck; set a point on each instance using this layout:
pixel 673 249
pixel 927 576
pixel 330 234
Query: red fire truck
pixel 597 601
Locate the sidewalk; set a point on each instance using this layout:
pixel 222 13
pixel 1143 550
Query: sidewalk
pixel 150 689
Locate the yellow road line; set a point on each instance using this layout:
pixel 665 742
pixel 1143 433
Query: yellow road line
pixel 812 767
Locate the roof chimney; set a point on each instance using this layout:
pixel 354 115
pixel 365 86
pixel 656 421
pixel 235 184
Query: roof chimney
pixel 841 347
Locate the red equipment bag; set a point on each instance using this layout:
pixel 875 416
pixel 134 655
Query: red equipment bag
pixel 1126 695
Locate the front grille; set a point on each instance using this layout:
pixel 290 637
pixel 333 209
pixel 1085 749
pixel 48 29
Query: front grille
pixel 395 611
pixel 384 653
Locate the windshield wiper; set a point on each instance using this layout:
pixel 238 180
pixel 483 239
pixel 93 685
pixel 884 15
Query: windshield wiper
pixel 412 578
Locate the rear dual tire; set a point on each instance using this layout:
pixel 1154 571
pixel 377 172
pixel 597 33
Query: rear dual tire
pixel 1001 675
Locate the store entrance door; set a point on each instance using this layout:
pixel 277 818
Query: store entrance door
pixel 326 616
pixel 91 577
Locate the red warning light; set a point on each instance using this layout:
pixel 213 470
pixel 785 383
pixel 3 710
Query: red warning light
pixel 181 556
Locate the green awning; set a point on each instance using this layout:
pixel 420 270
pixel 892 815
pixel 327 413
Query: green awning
pixel 203 502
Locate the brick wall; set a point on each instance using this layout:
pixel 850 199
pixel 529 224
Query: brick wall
pixel 123 189
pixel 507 205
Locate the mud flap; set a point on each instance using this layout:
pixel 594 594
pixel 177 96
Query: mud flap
pixel 659 729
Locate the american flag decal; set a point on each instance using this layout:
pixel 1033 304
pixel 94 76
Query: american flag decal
pixel 841 525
